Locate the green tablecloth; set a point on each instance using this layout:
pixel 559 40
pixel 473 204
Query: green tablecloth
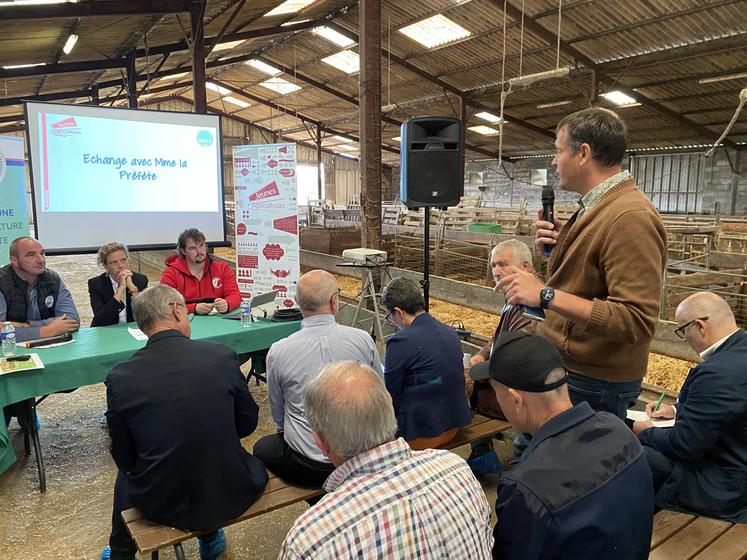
pixel 95 351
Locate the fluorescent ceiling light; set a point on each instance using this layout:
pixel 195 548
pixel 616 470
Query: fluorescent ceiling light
pixel 287 23
pixel 554 104
pixel 397 139
pixel 12 66
pixel 490 117
pixel 238 102
pixel 342 138
pixel 345 147
pixel 227 46
pixel 289 7
pixel 263 67
pixel 173 77
pixel 618 98
pixel 435 31
pixel 723 78
pixel 217 89
pixel 347 61
pixel 280 85
pixel 333 36
pixel 70 43
pixel 484 130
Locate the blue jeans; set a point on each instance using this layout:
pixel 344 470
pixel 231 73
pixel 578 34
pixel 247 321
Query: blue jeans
pixel 615 398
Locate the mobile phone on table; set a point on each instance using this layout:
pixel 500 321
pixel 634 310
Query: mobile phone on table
pixel 19 358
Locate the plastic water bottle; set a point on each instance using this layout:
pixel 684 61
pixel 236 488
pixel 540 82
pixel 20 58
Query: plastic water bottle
pixel 246 313
pixel 8 334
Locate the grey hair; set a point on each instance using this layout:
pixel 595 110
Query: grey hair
pixel 403 293
pixel 108 249
pixel 349 407
pixel 314 290
pixel 153 305
pixel 520 249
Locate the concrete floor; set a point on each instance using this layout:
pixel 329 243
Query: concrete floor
pixel 72 520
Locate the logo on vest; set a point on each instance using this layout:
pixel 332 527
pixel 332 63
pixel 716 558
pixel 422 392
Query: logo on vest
pixel 216 282
pixel 49 301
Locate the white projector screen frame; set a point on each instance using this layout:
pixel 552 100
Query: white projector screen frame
pixel 83 215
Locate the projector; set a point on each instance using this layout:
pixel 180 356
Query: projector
pixel 364 256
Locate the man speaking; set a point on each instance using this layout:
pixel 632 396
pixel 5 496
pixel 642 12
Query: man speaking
pixel 606 266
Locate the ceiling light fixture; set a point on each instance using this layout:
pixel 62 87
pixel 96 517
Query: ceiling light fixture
pixel 227 46
pixel 347 61
pixel 435 31
pixel 490 117
pixel 12 66
pixel 333 36
pixel 618 98
pixel 484 130
pixel 723 78
pixel 70 43
pixel 263 67
pixel 554 104
pixel 289 7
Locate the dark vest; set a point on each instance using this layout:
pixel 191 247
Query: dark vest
pixel 15 290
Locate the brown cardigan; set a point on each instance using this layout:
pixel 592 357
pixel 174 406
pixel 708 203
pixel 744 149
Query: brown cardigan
pixel 614 255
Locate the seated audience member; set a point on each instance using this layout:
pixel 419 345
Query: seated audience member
pixel 111 292
pixel 291 453
pixel 700 464
pixel 35 299
pixel 582 488
pixel 483 459
pixel 198 277
pixel 424 371
pixel 384 500
pixel 177 410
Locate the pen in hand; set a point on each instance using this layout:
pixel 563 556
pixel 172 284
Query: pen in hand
pixel 658 403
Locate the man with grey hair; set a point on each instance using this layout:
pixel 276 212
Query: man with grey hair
pixel 177 410
pixel 700 464
pixel 582 489
pixel 504 256
pixel 111 292
pixel 291 453
pixel 384 500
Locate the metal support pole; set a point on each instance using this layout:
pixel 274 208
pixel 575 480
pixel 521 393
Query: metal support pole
pixel 196 14
pixel 131 81
pixel 426 254
pixel 319 186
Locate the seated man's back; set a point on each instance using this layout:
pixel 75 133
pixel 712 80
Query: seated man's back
pixel 384 499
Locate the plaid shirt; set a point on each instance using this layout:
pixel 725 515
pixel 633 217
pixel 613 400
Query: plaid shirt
pixel 392 502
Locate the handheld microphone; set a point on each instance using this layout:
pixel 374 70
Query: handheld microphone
pixel 548 212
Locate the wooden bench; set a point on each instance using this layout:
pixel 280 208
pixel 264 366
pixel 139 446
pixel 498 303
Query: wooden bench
pixel 682 536
pixel 150 537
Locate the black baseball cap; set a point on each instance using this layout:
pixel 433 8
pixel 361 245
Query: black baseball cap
pixel 522 361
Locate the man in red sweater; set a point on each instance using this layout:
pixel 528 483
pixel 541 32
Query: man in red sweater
pixel 197 277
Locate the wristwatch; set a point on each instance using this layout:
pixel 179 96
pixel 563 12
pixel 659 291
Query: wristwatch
pixel 546 295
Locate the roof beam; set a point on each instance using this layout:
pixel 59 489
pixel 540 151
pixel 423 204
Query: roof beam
pixel 294 114
pixel 550 37
pixel 441 83
pixel 88 9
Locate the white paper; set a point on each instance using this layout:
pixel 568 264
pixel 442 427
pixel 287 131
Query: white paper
pixel 9 367
pixel 641 416
pixel 137 334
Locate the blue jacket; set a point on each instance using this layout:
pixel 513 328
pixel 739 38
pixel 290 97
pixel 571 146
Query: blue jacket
pixel 581 489
pixel 708 442
pixel 424 373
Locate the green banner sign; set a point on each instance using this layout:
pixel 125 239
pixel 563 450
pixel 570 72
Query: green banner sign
pixel 14 212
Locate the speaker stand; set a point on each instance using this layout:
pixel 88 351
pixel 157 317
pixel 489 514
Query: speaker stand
pixel 425 282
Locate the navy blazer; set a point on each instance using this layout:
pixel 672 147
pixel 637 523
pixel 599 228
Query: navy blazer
pixel 177 411
pixel 708 442
pixel 105 308
pixel 424 374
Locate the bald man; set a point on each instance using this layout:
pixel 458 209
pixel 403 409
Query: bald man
pixel 292 453
pixel 700 464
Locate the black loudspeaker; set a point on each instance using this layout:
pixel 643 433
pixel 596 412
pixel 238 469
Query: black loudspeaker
pixel 432 170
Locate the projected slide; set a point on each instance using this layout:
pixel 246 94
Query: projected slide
pixel 137 176
pixel 92 164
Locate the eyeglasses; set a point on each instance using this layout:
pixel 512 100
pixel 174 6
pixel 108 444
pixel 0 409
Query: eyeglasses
pixel 680 331
pixel 190 316
pixel 388 319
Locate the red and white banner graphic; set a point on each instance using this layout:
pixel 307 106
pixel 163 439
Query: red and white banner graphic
pixel 266 216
